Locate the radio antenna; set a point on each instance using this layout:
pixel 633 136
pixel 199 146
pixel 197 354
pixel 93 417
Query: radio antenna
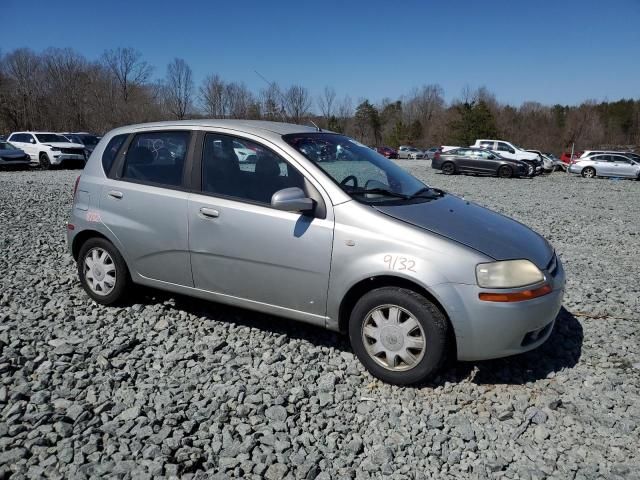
pixel 282 99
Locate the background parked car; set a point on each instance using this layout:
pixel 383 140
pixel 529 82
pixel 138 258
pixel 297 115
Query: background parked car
pixel 13 157
pixel 557 163
pixel 479 161
pixel 48 149
pixel 387 152
pixel 406 151
pixel 607 165
pixel 566 158
pixel 548 165
pixel 590 153
pixel 430 153
pixel 87 139
pixel 509 150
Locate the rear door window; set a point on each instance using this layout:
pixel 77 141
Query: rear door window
pixel 157 158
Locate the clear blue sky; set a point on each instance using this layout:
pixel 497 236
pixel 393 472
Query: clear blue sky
pixel 551 51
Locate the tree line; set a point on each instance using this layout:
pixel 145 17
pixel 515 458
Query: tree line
pixel 61 90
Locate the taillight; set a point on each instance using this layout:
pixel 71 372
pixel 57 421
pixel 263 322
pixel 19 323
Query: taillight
pixel 75 187
pixel 436 156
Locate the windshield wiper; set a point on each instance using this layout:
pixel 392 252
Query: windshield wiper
pixel 434 193
pixel 380 191
pixel 420 193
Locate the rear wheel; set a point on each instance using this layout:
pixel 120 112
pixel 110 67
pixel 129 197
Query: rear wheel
pixel 505 171
pixel 589 172
pixel 44 161
pixel 448 168
pixel 103 272
pixel 398 335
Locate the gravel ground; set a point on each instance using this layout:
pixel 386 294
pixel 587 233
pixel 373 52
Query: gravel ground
pixel 176 387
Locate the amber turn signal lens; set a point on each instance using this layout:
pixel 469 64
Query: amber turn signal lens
pixel 515 296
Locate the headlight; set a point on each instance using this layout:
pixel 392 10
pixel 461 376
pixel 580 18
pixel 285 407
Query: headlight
pixel 508 274
pixel 54 149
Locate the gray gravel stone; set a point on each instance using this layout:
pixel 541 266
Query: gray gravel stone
pixel 175 387
pixel 277 413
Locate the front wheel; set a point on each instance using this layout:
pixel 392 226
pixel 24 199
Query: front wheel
pixel 103 272
pixel 398 335
pixel 589 172
pixel 448 168
pixel 44 161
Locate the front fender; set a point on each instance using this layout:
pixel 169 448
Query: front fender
pixel 369 244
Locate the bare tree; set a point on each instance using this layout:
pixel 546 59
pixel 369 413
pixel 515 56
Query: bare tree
pixel 297 103
pixel 326 103
pixel 128 68
pixel 24 77
pixel 179 88
pixel 212 96
pixel 271 102
pixel 239 100
pixel 66 78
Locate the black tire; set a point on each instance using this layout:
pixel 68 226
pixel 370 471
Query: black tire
pixel 431 320
pixel 448 168
pixel 505 171
pixel 588 172
pixel 44 161
pixel 122 278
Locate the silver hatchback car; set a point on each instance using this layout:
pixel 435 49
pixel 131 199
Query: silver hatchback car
pixel 349 242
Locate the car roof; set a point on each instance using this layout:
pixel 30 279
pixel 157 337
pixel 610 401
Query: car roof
pixel 248 126
pixel 36 133
pixel 590 152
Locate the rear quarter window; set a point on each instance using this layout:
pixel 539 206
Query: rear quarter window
pixel 111 151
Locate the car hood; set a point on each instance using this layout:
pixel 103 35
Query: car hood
pixel 488 232
pixel 527 155
pixel 64 145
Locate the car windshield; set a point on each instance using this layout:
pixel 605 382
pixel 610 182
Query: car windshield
pixel 88 139
pixel 364 174
pixel 50 137
pixel 7 146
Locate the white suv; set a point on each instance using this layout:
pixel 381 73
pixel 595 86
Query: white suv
pixel 512 152
pixel 48 149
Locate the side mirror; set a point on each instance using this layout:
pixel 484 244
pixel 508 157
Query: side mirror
pixel 491 157
pixel 291 200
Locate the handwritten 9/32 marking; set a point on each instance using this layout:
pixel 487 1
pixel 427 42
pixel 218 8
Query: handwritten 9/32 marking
pixel 395 262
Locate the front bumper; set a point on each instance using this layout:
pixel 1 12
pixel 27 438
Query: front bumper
pixel 486 330
pixel 58 159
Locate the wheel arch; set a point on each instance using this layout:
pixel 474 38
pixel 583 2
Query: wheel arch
pixel 81 238
pixel 362 287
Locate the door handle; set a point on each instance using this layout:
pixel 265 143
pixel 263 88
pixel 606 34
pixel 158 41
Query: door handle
pixel 115 194
pixel 209 212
